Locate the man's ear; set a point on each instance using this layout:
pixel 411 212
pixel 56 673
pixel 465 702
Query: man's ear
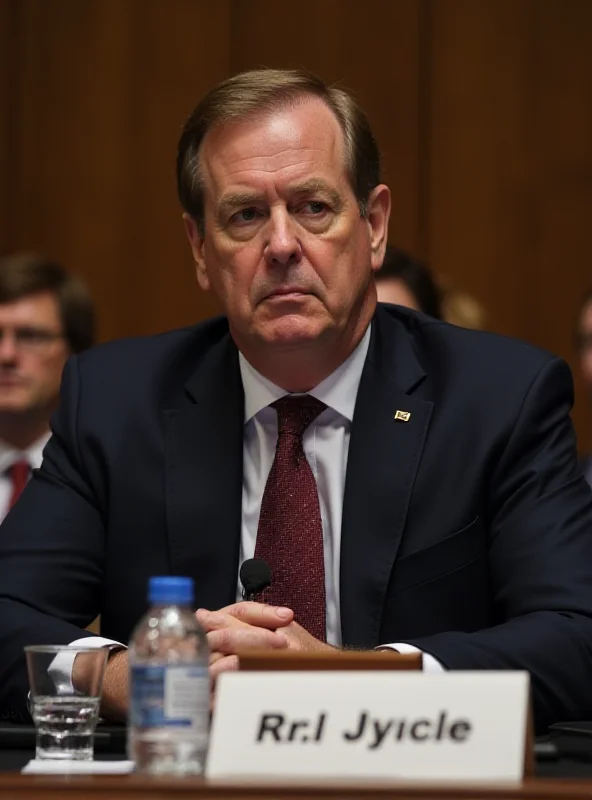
pixel 377 217
pixel 197 243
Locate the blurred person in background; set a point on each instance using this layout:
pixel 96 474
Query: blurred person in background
pixel 46 314
pixel 404 281
pixel 584 346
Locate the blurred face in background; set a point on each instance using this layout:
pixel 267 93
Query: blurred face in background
pixel 585 343
pixel 396 291
pixel 33 352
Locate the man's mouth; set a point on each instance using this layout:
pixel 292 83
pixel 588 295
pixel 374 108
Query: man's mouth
pixel 10 381
pixel 287 292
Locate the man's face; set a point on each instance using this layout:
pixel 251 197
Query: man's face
pixel 585 341
pixel 285 248
pixel 33 352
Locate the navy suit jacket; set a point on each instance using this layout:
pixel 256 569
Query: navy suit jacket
pixel 467 530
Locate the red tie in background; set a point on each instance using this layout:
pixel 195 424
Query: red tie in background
pixel 290 533
pixel 19 475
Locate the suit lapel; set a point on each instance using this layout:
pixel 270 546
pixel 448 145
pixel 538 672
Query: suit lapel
pixel 204 467
pixel 384 454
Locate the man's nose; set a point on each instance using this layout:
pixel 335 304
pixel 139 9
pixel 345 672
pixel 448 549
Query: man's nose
pixel 282 246
pixel 8 349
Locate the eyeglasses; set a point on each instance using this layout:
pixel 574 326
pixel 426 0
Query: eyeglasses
pixel 30 339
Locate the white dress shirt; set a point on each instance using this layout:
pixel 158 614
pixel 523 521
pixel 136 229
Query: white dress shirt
pixel 326 445
pixel 9 455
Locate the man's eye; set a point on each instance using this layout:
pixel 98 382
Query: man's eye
pixel 245 215
pixel 316 207
pixel 31 336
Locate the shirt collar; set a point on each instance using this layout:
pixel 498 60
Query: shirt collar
pixel 32 454
pixel 338 390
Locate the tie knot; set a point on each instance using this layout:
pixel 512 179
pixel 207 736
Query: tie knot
pixel 296 413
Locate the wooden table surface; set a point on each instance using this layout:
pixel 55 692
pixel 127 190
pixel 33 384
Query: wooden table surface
pixel 13 785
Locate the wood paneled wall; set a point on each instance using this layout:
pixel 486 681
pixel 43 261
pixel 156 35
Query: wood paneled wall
pixel 483 109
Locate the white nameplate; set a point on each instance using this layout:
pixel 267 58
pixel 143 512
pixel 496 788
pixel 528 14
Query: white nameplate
pixel 461 726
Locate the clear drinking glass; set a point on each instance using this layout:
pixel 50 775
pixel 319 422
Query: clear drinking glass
pixel 65 683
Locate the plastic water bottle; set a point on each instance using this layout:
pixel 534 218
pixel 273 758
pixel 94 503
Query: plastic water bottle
pixel 169 683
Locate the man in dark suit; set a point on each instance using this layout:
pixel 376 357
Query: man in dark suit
pixel 413 485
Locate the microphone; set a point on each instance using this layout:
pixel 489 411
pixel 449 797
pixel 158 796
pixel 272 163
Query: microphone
pixel 255 575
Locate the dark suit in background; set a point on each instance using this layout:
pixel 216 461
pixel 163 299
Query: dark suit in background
pixel 466 530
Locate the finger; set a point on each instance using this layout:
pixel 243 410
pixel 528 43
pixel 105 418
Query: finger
pixel 230 640
pixel 226 664
pixel 215 620
pixel 298 638
pixel 216 657
pixel 260 614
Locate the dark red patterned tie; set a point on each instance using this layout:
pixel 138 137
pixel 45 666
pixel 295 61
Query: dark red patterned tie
pixel 19 475
pixel 290 533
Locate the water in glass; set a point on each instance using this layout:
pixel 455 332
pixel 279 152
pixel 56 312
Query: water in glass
pixel 65 726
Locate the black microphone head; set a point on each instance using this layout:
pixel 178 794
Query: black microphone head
pixel 255 575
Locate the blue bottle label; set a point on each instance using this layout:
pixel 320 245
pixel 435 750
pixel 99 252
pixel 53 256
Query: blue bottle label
pixel 169 695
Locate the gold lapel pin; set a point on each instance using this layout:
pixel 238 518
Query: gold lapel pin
pixel 403 416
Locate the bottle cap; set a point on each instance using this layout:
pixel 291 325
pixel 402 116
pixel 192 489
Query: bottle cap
pixel 171 590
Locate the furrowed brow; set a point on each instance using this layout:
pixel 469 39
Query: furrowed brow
pixel 231 202
pixel 318 186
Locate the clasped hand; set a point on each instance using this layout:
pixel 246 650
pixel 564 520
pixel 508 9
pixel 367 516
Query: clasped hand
pixel 250 625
